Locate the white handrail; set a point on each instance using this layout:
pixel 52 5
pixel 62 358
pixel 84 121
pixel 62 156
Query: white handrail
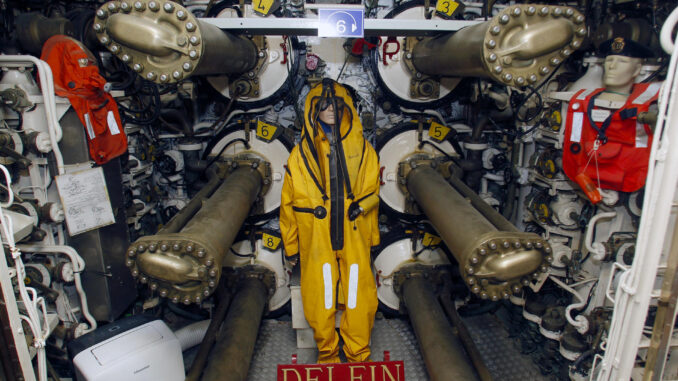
pixel 633 293
pixel 29 296
pixel 580 322
pixel 596 249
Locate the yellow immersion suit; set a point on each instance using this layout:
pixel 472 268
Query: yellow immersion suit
pixel 318 191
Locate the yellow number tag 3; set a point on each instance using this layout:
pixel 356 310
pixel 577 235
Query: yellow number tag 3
pixel 438 132
pixel 446 7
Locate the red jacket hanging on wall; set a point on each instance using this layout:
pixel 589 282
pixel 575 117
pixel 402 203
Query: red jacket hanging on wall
pixel 625 144
pixel 77 78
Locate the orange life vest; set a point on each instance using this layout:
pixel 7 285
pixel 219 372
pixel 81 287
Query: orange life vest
pixel 623 144
pixel 76 77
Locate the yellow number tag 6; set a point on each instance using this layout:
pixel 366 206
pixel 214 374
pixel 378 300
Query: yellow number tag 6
pixel 265 131
pixel 437 131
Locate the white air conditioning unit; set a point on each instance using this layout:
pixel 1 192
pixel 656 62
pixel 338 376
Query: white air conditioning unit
pixel 135 348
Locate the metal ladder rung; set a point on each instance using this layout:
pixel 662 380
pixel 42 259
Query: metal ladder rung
pixel 645 342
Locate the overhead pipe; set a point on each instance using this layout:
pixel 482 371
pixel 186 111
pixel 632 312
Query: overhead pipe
pixel 185 265
pixel 494 260
pixel 175 44
pixel 442 351
pixel 33 29
pixel 510 48
pixel 230 359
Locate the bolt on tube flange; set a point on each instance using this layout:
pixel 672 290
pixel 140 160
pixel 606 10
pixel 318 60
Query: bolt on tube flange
pixel 498 264
pixel 176 266
pixel 494 263
pixel 434 274
pixel 510 48
pixel 184 265
pixel 236 275
pixel 175 44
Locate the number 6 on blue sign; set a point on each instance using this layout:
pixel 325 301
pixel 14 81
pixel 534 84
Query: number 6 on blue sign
pixel 340 22
pixel 341 26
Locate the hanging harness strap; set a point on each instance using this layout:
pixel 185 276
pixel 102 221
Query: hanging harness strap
pixel 310 172
pixel 329 87
pixel 623 114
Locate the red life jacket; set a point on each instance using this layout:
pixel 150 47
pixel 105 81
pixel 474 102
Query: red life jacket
pixel 77 78
pixel 624 144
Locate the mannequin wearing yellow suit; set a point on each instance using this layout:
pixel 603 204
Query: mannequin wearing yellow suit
pixel 328 217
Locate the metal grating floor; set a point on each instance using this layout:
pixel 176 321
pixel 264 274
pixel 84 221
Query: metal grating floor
pixel 277 342
pixel 500 354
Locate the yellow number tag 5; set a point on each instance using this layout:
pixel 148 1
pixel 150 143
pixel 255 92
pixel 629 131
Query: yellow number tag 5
pixel 438 132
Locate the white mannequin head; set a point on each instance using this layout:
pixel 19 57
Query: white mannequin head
pixel 621 72
pixel 327 115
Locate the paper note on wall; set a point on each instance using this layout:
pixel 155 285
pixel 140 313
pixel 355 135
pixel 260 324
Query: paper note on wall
pixel 85 199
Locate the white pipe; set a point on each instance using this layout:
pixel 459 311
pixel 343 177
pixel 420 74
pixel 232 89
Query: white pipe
pixel 461 128
pixel 597 249
pixel 494 177
pixel 30 303
pixel 192 334
pixel 238 112
pixel 49 99
pixel 425 112
pixel 666 35
pixel 10 199
pixel 582 282
pixel 78 267
pixel 333 6
pixel 580 322
pixel 610 197
pixel 31 310
pixel 483 185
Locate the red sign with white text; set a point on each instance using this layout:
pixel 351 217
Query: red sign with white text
pixel 357 371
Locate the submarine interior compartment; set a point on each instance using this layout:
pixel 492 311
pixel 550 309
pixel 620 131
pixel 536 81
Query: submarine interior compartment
pixel 493 263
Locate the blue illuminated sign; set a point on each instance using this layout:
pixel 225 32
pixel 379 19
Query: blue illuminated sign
pixel 341 22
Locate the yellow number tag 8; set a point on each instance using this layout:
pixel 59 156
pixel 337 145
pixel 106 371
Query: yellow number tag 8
pixel 266 131
pixel 438 132
pixel 270 242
